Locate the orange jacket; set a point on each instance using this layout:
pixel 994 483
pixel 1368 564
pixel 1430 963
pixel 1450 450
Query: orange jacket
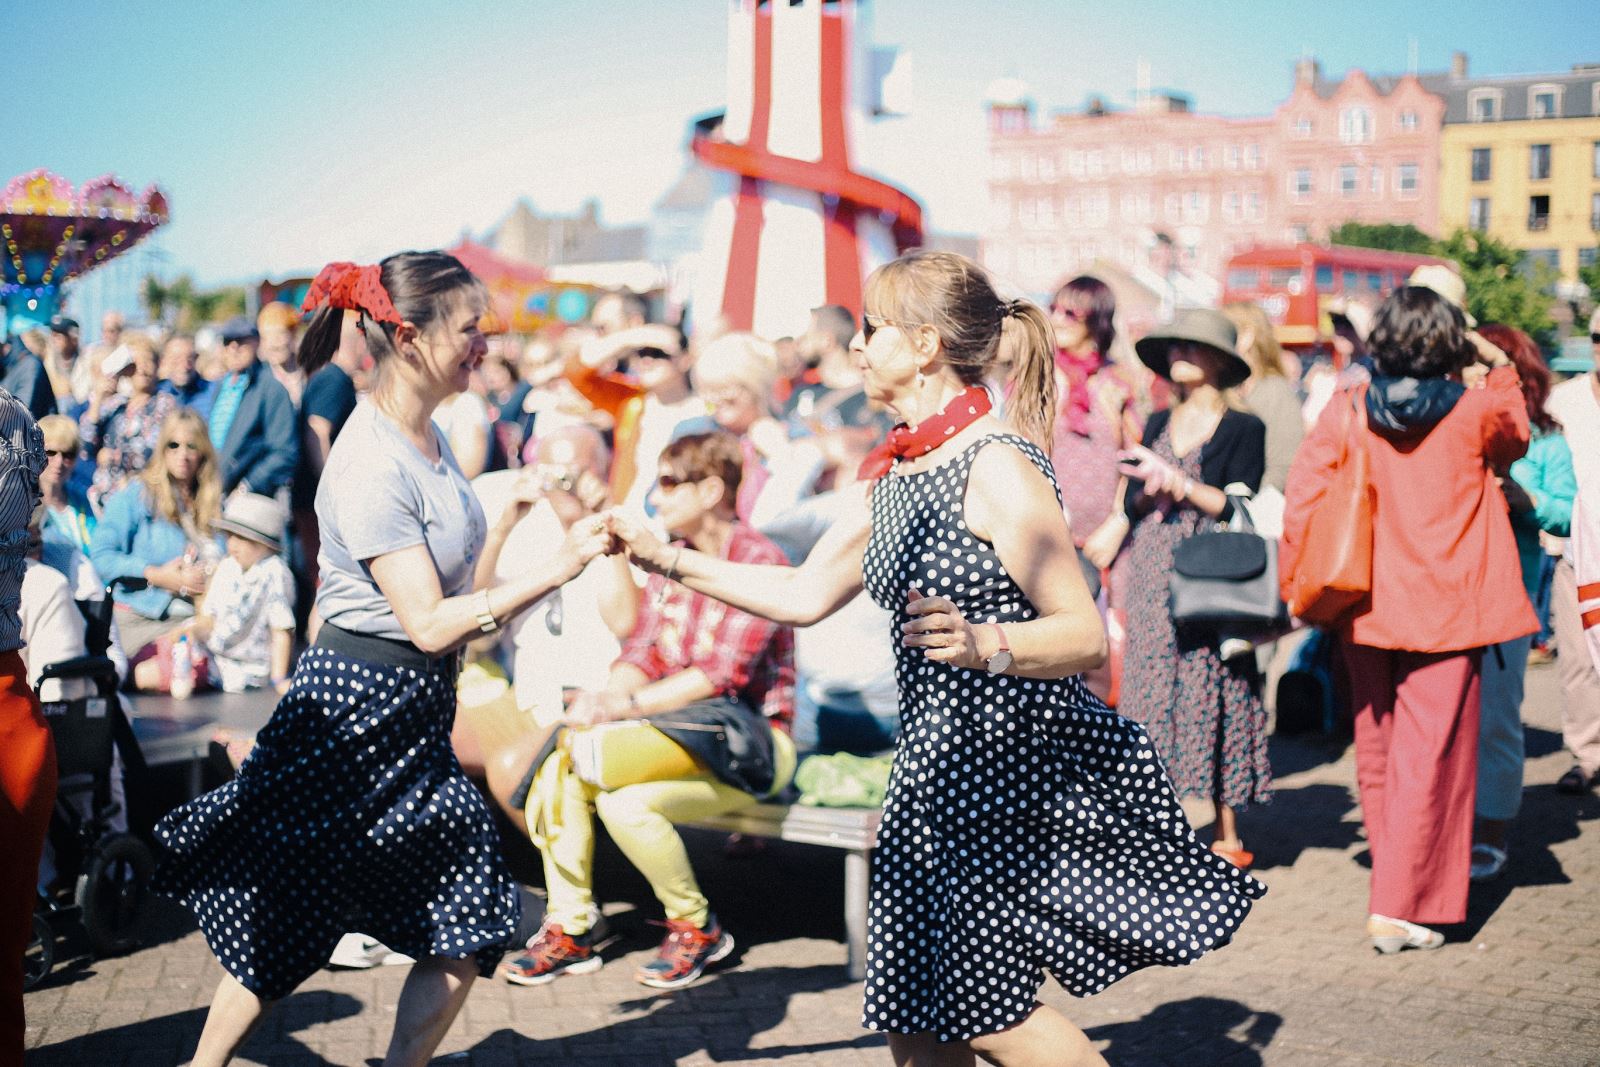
pixel 623 399
pixel 1445 573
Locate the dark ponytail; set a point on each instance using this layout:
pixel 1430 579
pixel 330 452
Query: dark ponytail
pixel 423 287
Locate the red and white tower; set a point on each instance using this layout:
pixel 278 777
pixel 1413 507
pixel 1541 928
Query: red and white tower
pixel 794 224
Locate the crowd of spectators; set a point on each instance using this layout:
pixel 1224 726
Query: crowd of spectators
pixel 190 465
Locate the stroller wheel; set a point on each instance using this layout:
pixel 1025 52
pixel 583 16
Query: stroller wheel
pixel 112 891
pixel 41 953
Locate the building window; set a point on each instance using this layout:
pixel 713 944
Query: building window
pixel 1376 181
pixel 1197 158
pixel 1230 207
pixel 1302 127
pixel 1406 179
pixel 1407 119
pixel 1587 257
pixel 1349 182
pixel 1096 163
pixel 1173 207
pixel 1544 101
pixel 1538 162
pixel 1355 125
pixel 1482 164
pixel 1253 157
pixel 1300 184
pixel 1231 157
pixel 1196 207
pixel 1478 213
pixel 1594 165
pixel 1254 207
pixel 1538 212
pixel 1483 105
pixel 1594 211
pixel 1299 234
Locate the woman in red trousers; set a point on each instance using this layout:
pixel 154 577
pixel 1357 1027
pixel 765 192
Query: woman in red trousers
pixel 27 756
pixel 1444 416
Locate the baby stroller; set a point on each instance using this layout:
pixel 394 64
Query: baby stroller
pixel 104 875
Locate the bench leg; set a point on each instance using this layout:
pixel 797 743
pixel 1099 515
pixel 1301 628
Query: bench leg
pixel 856 865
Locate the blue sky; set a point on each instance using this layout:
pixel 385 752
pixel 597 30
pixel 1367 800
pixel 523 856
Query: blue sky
pixel 291 133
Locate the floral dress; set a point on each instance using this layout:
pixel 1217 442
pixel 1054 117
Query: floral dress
pixel 1203 713
pixel 122 441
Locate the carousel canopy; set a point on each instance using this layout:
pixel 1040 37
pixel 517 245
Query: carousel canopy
pixel 54 233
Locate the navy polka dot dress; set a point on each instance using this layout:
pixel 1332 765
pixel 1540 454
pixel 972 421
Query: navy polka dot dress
pixel 351 814
pixel 1027 827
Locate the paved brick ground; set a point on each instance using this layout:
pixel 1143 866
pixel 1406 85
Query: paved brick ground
pixel 1519 983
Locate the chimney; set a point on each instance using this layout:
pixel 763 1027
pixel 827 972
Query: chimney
pixel 1458 65
pixel 1307 71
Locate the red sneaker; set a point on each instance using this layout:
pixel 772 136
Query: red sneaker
pixel 551 953
pixel 685 953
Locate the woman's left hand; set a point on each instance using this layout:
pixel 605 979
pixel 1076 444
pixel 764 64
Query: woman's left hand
pixel 938 626
pixel 591 708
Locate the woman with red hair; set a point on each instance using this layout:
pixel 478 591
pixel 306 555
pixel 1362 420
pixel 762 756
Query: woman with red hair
pixel 1539 490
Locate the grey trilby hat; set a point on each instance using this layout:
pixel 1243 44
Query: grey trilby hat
pixel 1200 326
pixel 253 516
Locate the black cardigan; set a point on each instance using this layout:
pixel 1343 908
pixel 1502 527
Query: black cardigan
pixel 1236 452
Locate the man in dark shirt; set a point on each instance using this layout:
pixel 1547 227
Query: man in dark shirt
pixel 328 400
pixel 22 375
pixel 252 419
pixel 180 379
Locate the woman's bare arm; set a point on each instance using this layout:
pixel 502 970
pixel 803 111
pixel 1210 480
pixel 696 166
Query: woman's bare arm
pixel 796 596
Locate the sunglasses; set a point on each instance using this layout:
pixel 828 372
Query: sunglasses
pixel 173 446
pixel 56 453
pixel 1594 338
pixel 651 353
pixel 868 328
pixel 672 481
pixel 1075 314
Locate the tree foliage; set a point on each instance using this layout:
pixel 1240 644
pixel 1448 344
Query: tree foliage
pixel 1502 285
pixel 185 308
pixel 1384 235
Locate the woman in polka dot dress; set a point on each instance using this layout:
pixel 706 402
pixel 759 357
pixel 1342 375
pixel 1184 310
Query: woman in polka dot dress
pixel 352 812
pixel 1027 829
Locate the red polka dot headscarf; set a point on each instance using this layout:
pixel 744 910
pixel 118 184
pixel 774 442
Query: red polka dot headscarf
pixel 353 288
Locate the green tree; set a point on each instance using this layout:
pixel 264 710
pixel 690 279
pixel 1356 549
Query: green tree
pixel 183 307
pixel 1590 276
pixel 1500 287
pixel 1382 235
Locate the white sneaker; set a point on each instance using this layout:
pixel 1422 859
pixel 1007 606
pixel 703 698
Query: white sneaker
pixel 358 951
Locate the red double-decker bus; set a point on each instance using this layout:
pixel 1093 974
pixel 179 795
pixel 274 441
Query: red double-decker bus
pixel 1296 283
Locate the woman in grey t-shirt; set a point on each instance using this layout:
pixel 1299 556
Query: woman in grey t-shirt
pixel 352 811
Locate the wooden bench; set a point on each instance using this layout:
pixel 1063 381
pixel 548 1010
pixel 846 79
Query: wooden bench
pixel 853 829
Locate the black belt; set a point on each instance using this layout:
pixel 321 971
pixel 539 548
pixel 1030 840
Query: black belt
pixel 385 650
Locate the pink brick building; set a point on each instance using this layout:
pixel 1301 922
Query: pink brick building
pixel 1361 149
pixel 1106 186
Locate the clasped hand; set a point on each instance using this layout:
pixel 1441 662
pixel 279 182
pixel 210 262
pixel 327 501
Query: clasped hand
pixel 938 627
pixel 1162 481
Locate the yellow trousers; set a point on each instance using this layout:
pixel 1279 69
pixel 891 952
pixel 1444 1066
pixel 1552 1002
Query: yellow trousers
pixel 639 819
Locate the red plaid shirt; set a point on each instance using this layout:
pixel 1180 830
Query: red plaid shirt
pixel 749 659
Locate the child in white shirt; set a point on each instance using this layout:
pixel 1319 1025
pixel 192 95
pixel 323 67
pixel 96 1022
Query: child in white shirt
pixel 247 619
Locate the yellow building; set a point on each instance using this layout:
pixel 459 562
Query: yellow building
pixel 1521 162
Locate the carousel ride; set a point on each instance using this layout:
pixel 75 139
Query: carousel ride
pixel 54 233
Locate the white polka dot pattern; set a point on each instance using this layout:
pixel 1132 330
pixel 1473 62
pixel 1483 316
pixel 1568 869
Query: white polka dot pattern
pixel 1027 827
pixel 350 814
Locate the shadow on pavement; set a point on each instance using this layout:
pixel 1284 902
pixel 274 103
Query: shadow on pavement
pixel 172 1038
pixel 1312 816
pixel 711 1018
pixel 1209 1030
pixel 1547 818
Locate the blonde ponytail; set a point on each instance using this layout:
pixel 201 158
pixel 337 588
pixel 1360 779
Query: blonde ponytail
pixel 1027 345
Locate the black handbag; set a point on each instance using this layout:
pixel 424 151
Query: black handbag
pixel 1227 579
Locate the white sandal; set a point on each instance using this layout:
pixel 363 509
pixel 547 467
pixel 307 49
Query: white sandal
pixel 1414 937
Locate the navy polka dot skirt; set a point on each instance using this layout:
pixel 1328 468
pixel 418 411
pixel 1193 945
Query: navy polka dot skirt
pixel 351 814
pixel 1027 828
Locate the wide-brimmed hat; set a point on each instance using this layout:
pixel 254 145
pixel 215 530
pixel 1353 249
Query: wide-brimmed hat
pixel 1201 326
pixel 1447 283
pixel 253 516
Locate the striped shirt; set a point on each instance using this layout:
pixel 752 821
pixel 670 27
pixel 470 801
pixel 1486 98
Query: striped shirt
pixel 21 461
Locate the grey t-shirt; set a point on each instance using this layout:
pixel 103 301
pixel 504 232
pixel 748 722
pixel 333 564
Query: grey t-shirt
pixel 379 494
